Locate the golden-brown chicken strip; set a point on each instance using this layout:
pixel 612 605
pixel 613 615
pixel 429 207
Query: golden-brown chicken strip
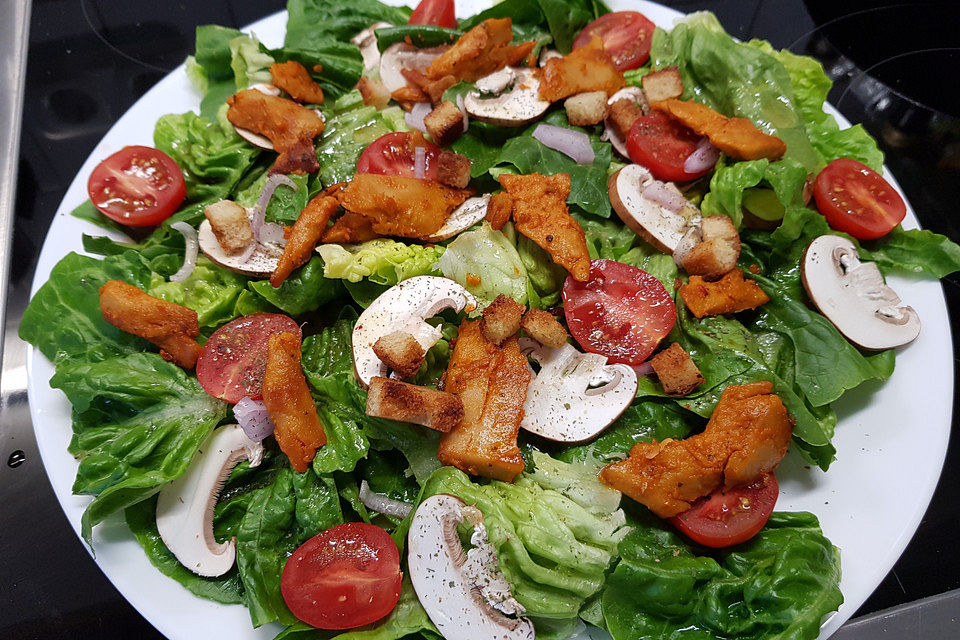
pixel 480 51
pixel 587 68
pixel 306 232
pixel 730 294
pixel 293 77
pixel 170 326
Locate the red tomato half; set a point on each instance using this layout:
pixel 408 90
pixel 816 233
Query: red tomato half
pixel 857 200
pixel 137 186
pixel 394 154
pixel 621 312
pixel 233 360
pixel 626 37
pixel 662 145
pixel 436 12
pixel 345 577
pixel 727 518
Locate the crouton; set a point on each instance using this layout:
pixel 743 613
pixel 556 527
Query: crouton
pixel 396 400
pixel 663 84
pixel 587 68
pixel 374 92
pixel 293 77
pixel 677 371
pixel 719 251
pixel 544 328
pixel 453 169
pixel 230 225
pixel 501 319
pixel 622 114
pixel 401 352
pixel 729 294
pixel 444 123
pixel 499 209
pixel 586 108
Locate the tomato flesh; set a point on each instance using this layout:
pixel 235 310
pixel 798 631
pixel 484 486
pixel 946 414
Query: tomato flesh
pixel 621 312
pixel 663 145
pixel 344 577
pixel 726 518
pixel 394 154
pixel 435 12
pixel 626 37
pixel 857 200
pixel 137 186
pixel 233 360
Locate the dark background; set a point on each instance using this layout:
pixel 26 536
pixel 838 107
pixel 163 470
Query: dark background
pixel 895 68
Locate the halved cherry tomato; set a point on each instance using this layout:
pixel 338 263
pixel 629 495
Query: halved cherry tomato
pixel 662 145
pixel 137 186
pixel 233 360
pixel 345 577
pixel 621 312
pixel 857 200
pixel 626 37
pixel 394 154
pixel 727 518
pixel 436 12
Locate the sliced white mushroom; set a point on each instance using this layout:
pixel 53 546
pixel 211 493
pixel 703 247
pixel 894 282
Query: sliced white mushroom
pixel 472 211
pixel 575 396
pixel 367 41
pixel 255 138
pixel 404 307
pixel 185 506
pixel 401 55
pixel 464 593
pixel 610 133
pixel 655 223
pixel 497 82
pixel 854 297
pixel 519 105
pixel 258 263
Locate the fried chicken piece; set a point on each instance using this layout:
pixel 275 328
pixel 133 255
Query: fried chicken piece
pixel 729 294
pixel 409 95
pixel 677 371
pixel 479 52
pixel 397 400
pixel 501 319
pixel 623 113
pixel 588 68
pixel 297 426
pixel 401 352
pixel 168 325
pixel 304 236
pixel 432 88
pixel 289 126
pixel 736 137
pixel 399 206
pixel 544 328
pixel 349 228
pixel 293 77
pixel 746 437
pixel 540 213
pixel 492 382
pixel 499 209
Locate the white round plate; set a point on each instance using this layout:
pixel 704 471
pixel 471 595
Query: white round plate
pixel 866 508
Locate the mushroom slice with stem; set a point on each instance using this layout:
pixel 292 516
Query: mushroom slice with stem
pixel 575 396
pixel 254 138
pixel 472 211
pixel 404 307
pixel 401 55
pixel 854 297
pixel 367 41
pixel 258 263
pixel 185 506
pixel 651 220
pixel 464 593
pixel 507 98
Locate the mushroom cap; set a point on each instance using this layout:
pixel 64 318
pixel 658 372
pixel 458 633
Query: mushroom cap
pixel 657 225
pixel 367 41
pixel 518 106
pixel 472 211
pixel 185 506
pixel 401 55
pixel 562 405
pixel 460 593
pixel 404 307
pixel 258 264
pixel 854 297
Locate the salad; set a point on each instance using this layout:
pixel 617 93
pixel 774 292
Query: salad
pixel 498 324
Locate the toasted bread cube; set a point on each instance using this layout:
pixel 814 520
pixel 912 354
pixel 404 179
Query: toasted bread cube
pixel 622 114
pixel 230 225
pixel 374 92
pixel 499 209
pixel 677 371
pixel 663 84
pixel 396 400
pixel 729 294
pixel 501 319
pixel 453 169
pixel 401 352
pixel 719 251
pixel 544 328
pixel 444 123
pixel 586 108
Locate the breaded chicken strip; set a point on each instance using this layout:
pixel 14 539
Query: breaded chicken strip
pixel 289 126
pixel 587 68
pixel 350 228
pixel 479 52
pixel 293 77
pixel 747 436
pixel 304 236
pixel 729 294
pixel 170 326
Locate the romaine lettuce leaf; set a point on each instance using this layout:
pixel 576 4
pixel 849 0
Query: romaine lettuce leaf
pixel 487 264
pixel 209 68
pixel 210 290
pixel 249 62
pixel 381 261
pixel 305 290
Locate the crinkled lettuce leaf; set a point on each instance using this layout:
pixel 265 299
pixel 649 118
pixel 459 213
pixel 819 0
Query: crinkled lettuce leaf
pixel 210 290
pixel 487 264
pixel 730 179
pixel 382 261
pixel 250 64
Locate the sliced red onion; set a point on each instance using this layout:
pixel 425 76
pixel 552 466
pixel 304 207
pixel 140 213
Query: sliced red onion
pixel 704 157
pixel 253 418
pixel 260 210
pixel 382 504
pixel 419 163
pixel 463 110
pixel 415 116
pixel 190 251
pixel 645 369
pixel 664 196
pixel 575 144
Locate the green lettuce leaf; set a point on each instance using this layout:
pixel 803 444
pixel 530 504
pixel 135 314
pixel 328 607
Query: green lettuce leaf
pixel 305 290
pixel 249 63
pixel 487 264
pixel 285 204
pixel 563 19
pixel 381 261
pixel 210 290
pixel 730 180
pixel 210 69
pixel 913 251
